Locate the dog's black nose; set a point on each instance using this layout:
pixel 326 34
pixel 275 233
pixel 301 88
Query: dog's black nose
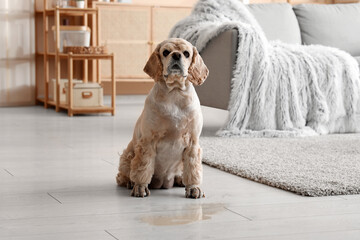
pixel 176 56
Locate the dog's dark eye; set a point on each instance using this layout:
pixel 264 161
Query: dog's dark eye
pixel 186 54
pixel 165 53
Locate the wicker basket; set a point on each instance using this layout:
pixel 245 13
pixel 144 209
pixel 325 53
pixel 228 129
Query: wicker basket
pixel 86 50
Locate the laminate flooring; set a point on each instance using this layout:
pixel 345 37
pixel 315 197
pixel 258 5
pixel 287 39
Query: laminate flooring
pixel 57 181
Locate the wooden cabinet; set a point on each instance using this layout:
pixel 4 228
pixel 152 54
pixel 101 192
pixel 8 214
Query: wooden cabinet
pixel 126 31
pixel 132 32
pixel 164 18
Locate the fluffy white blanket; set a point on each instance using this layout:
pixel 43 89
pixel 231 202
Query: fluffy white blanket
pixel 278 89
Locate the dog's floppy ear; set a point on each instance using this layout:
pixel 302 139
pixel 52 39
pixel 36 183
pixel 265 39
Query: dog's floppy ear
pixel 198 71
pixel 153 67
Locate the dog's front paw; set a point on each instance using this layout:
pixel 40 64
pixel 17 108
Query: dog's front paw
pixel 140 190
pixel 194 192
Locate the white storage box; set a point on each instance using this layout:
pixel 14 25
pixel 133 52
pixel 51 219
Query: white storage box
pixel 73 36
pixel 86 95
pixel 63 89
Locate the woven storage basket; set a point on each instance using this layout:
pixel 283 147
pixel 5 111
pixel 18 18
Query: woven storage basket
pixel 86 50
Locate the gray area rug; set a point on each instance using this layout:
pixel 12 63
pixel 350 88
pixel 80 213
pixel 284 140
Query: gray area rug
pixel 309 166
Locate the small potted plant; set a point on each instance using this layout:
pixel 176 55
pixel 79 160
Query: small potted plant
pixel 80 3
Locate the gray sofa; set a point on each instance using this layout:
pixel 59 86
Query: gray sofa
pixel 336 25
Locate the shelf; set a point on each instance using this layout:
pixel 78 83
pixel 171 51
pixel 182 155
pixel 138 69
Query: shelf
pixel 87 56
pixel 51 54
pixel 72 11
pixel 96 109
pixel 50 102
pixel 79 56
pixel 78 110
pixel 40 99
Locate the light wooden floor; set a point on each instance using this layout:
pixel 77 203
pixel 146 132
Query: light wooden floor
pixel 57 181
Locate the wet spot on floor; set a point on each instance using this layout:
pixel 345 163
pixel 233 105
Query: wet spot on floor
pixel 189 214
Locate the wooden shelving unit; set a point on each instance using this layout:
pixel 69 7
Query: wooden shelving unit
pixel 56 13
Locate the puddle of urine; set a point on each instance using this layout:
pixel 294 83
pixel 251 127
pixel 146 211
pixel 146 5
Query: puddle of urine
pixel 189 214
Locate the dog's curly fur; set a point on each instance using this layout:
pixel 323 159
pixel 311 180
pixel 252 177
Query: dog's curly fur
pixel 165 146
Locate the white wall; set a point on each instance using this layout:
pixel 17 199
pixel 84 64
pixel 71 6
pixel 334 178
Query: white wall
pixel 17 52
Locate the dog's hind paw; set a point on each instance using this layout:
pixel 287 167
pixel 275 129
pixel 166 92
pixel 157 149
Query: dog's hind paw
pixel 140 190
pixel 124 181
pixel 130 185
pixel 194 192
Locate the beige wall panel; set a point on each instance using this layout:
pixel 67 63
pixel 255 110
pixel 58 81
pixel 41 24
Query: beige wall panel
pixel 130 59
pixel 164 19
pixel 124 24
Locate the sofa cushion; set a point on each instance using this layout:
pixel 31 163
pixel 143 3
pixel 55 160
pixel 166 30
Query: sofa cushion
pixel 335 25
pixel 278 21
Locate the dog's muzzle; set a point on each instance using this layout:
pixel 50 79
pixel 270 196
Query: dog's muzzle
pixel 175 68
pixel 176 75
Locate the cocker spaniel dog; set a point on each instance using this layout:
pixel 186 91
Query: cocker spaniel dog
pixel 165 150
